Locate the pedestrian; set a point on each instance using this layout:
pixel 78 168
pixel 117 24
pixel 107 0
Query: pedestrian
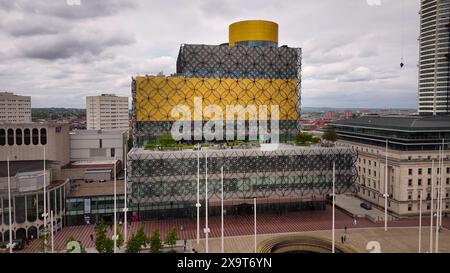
pixel 181 227
pixel 345 238
pixel 345 229
pixel 92 237
pixel 342 239
pixel 354 221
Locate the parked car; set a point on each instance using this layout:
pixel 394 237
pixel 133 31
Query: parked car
pixel 366 206
pixel 19 244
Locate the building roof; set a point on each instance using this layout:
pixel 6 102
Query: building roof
pixel 100 131
pixel 97 189
pixel 16 167
pixel 403 123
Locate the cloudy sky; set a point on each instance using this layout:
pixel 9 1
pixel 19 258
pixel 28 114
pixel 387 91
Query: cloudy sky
pixel 59 53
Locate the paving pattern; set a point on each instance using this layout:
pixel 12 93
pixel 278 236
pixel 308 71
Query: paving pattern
pixel 235 226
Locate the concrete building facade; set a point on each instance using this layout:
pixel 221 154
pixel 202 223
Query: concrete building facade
pixel 413 157
pixel 15 108
pixel 107 112
pixel 95 145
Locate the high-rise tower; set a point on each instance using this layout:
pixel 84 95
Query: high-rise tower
pixel 434 68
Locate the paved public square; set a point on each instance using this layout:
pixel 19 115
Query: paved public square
pixel 293 222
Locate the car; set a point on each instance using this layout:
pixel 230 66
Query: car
pixel 19 244
pixel 366 206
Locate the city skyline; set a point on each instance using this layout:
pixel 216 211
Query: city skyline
pixel 60 51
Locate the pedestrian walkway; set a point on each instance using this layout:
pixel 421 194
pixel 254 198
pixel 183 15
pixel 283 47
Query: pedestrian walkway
pixel 352 205
pixel 234 226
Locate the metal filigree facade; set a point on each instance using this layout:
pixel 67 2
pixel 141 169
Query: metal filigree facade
pixel 170 177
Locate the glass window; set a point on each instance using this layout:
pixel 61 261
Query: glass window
pixel 31 207
pixel 19 137
pixel 44 136
pixel 2 137
pixel 27 136
pixel 10 137
pixel 113 152
pixel 20 209
pixel 35 136
pixel 6 211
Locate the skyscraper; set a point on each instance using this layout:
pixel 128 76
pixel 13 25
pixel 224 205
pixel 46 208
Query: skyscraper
pixel 434 69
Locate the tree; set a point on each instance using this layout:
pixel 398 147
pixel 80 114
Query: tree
pixel 330 135
pixel 130 143
pixel 155 242
pixel 102 243
pixel 171 237
pixel 137 241
pixel 119 240
pixel 167 140
pixel 305 139
pixel 43 239
pixel 133 245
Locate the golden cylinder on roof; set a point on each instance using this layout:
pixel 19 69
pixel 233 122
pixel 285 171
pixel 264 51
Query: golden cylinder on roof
pixel 253 30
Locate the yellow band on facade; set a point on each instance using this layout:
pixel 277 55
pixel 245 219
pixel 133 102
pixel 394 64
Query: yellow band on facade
pixel 253 30
pixel 157 97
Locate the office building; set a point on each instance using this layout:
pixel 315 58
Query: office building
pixel 107 112
pixel 15 108
pixel 413 157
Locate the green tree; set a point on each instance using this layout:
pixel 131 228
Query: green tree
pixel 330 135
pixel 137 241
pixel 130 143
pixel 43 239
pixel 155 242
pixel 171 237
pixel 133 245
pixel 102 243
pixel 167 140
pixel 120 240
pixel 305 139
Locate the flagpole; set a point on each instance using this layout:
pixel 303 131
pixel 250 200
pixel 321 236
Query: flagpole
pixel 10 246
pixel 420 222
pixel 115 207
pixel 432 205
pixel 198 195
pixel 222 242
pixel 51 230
pixel 45 206
pixel 206 204
pixel 125 208
pixel 333 222
pixel 254 220
pixel 386 187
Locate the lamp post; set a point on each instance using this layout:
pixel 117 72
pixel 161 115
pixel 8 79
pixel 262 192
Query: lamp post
pixel 386 177
pixel 198 195
pixel 206 204
pixel 221 205
pixel 10 245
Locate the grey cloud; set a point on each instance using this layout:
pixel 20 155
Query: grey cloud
pixel 60 8
pixel 70 45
